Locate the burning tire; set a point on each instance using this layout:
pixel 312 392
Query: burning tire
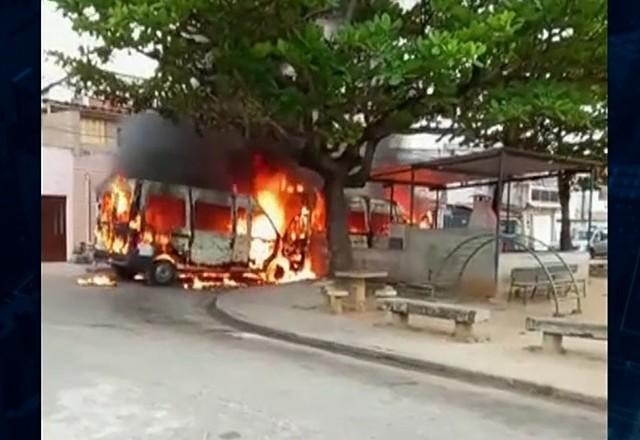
pixel 275 272
pixel 162 273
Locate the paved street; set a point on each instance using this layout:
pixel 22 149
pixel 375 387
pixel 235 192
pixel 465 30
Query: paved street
pixel 134 362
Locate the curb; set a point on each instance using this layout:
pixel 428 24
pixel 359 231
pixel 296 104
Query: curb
pixel 408 363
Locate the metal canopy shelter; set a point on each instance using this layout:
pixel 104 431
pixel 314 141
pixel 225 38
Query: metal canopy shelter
pixel 481 168
pixel 495 166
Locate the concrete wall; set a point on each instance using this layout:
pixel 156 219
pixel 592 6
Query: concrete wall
pixel 57 180
pixel 64 128
pixel 424 251
pixel 61 129
pixel 112 134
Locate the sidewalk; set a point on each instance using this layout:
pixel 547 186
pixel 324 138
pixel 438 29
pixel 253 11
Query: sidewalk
pixel 298 311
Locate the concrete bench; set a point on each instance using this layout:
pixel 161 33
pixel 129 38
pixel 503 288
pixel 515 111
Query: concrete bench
pixel 386 292
pixel 553 329
pixel 532 279
pixel 598 268
pixel 335 297
pixel 399 310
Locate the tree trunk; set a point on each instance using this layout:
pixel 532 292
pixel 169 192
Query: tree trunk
pixel 497 199
pixel 564 194
pixel 340 254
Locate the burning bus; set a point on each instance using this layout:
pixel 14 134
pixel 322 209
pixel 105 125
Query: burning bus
pixel 370 220
pixel 168 231
pixel 207 208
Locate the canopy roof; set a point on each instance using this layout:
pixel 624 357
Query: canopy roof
pixel 481 168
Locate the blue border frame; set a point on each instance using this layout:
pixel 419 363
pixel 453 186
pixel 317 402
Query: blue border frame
pixel 19 179
pixel 19 219
pixel 624 228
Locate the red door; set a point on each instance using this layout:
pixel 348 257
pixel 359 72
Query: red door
pixel 53 228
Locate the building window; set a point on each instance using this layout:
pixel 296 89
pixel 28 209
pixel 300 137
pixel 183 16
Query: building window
pixel 544 195
pixel 536 195
pixel 93 131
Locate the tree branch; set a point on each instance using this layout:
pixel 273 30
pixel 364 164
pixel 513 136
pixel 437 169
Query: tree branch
pixel 46 89
pixel 318 13
pixel 359 179
pixel 430 130
pixel 378 129
pixel 350 10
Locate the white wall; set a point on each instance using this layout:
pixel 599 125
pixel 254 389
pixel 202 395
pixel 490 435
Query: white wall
pixel 57 180
pixel 90 170
pixel 579 205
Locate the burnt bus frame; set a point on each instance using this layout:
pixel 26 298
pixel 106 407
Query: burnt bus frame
pixel 134 262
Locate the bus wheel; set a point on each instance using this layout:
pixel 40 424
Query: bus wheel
pixel 275 272
pixel 162 273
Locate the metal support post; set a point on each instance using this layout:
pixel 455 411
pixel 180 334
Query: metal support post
pixel 498 208
pixel 591 188
pixel 413 187
pixel 437 213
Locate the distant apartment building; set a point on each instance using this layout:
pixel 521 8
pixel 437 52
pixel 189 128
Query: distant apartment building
pixel 79 141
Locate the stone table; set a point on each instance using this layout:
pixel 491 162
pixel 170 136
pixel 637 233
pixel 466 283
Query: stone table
pixel 357 282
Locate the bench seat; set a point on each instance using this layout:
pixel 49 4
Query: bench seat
pixel 531 279
pixel 554 329
pixel 335 298
pixel 386 292
pixel 399 310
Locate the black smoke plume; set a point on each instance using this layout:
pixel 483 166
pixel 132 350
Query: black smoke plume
pixel 154 148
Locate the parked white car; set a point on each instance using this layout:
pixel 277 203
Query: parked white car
pixel 584 241
pixel 598 244
pixel 580 239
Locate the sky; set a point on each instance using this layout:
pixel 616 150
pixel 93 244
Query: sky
pixel 58 35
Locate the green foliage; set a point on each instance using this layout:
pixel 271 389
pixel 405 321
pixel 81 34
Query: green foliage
pixel 552 97
pixel 265 66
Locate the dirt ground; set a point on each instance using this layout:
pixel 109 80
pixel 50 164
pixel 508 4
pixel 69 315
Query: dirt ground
pixel 506 328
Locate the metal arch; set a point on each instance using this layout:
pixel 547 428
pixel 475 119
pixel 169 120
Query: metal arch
pixel 530 251
pixel 473 254
pixel 557 255
pixel 458 247
pixel 518 240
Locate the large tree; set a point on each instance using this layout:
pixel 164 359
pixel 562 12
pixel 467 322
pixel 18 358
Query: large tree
pixel 554 97
pixel 326 80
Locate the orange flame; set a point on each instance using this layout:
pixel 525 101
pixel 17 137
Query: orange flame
pixel 202 283
pixel 286 211
pixel 279 229
pixel 115 208
pixel 96 280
